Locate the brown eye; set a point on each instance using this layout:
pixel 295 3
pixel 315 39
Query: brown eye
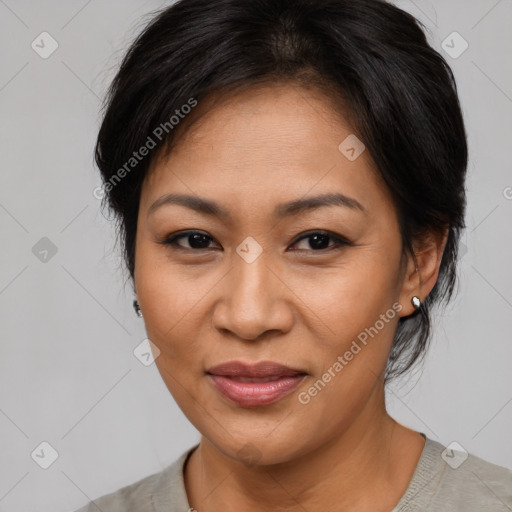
pixel 314 241
pixel 196 240
pixel 320 241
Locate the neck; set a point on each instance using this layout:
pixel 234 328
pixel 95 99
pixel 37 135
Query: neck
pixel 373 459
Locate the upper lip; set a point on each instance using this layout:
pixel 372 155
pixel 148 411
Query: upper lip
pixel 260 369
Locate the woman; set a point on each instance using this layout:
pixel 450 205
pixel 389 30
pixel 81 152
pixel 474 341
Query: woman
pixel 288 177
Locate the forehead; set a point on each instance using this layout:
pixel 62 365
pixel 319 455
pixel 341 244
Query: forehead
pixel 279 117
pixel 262 144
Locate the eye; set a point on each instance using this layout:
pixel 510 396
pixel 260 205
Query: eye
pixel 196 240
pixel 319 241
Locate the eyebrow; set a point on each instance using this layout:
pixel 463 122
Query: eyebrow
pixel 209 207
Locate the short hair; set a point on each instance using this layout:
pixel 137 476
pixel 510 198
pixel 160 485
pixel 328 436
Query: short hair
pixel 370 57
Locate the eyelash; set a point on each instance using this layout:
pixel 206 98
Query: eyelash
pixel 339 241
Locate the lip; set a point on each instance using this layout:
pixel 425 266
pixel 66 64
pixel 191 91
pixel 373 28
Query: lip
pixel 253 385
pixel 260 369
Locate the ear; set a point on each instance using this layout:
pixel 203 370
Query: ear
pixel 422 269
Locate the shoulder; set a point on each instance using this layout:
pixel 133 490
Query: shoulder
pixel 470 483
pixel 479 485
pixel 136 495
pixel 161 491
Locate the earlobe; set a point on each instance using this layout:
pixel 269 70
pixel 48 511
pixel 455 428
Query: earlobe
pixel 416 302
pixel 422 270
pixel 136 307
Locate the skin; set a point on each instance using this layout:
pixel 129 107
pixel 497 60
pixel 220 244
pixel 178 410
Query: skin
pixel 294 304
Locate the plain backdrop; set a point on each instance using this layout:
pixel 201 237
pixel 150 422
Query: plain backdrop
pixel 68 375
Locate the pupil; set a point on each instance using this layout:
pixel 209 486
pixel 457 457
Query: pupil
pixel 198 241
pixel 316 244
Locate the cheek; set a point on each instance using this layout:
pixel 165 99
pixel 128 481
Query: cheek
pixel 351 348
pixel 171 293
pixel 353 313
pixel 173 300
pixel 346 299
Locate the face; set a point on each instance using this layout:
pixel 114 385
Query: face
pixel 315 288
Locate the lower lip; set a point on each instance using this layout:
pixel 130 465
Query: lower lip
pixel 254 394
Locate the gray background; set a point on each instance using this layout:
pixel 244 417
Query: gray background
pixel 68 374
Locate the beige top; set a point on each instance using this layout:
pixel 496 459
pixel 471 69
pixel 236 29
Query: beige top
pixel 441 482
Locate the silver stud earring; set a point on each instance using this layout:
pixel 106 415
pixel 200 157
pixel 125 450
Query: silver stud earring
pixel 136 307
pixel 416 302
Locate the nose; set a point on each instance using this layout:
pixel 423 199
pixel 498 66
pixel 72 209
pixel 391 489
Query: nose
pixel 254 301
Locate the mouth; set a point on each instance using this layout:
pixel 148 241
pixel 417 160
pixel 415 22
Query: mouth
pixel 255 385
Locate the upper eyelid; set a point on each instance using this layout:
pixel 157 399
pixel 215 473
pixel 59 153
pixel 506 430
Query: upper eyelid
pixel 171 239
pixel 336 237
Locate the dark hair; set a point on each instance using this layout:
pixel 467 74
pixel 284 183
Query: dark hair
pixel 368 55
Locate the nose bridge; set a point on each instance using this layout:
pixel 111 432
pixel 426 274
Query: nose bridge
pixel 252 302
pixel 252 285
